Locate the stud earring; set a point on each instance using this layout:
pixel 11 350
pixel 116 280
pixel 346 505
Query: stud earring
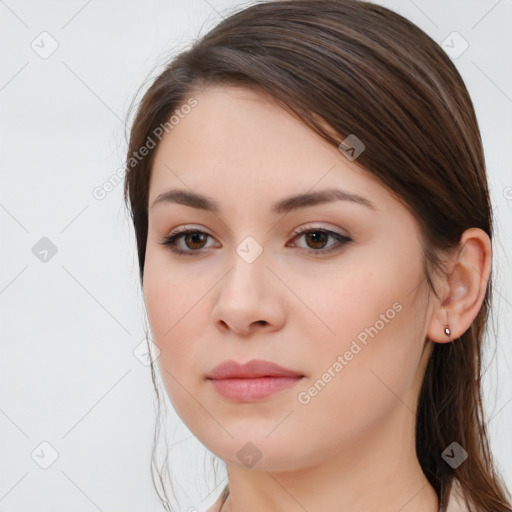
pixel 447 329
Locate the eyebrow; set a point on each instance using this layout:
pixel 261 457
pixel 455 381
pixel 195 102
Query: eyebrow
pixel 295 202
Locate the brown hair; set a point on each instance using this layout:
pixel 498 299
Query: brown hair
pixel 352 67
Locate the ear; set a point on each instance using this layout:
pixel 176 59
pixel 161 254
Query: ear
pixel 463 287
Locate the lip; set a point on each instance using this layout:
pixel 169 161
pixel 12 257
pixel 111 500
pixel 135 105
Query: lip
pixel 251 370
pixel 252 381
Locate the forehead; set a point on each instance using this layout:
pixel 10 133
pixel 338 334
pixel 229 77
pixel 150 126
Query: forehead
pixel 237 142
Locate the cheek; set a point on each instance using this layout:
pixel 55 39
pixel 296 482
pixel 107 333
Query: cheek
pixel 372 321
pixel 172 305
pixel 348 303
pixel 371 296
pixel 173 310
pixel 178 305
pixel 170 295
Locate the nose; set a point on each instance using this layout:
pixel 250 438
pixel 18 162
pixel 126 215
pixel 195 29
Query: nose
pixel 249 299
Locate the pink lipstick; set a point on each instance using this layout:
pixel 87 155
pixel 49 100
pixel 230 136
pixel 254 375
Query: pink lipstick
pixel 252 381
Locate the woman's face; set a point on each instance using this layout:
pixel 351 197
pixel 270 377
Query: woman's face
pixel 343 304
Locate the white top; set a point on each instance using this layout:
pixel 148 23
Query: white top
pixel 455 502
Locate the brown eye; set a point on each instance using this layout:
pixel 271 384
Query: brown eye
pixel 194 240
pixel 316 239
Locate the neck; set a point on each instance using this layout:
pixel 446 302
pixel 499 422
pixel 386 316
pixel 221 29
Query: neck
pixel 378 473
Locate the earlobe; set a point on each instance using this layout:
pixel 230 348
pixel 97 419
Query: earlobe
pixel 466 285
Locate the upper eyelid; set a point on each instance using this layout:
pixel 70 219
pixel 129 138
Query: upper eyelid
pixel 185 228
pixel 333 232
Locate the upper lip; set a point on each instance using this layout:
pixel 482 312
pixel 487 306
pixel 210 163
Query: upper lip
pixel 252 369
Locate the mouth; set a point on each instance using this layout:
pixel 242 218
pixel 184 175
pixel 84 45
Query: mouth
pixel 252 381
pixel 251 390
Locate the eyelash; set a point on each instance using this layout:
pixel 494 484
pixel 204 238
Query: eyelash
pixel 173 238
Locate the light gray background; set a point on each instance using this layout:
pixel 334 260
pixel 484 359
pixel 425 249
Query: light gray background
pixel 69 376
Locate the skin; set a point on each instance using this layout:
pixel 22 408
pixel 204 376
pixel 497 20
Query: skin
pixel 351 447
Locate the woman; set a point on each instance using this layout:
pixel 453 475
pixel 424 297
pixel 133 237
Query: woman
pixel 310 202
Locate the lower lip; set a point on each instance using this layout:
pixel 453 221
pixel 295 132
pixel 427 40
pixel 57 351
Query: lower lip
pixel 251 390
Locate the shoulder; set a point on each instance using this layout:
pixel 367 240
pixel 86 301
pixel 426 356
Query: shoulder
pixel 220 501
pixel 456 501
pixel 216 506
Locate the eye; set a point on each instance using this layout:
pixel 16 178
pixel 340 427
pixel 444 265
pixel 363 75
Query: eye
pixel 319 238
pixel 195 239
pixel 191 237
